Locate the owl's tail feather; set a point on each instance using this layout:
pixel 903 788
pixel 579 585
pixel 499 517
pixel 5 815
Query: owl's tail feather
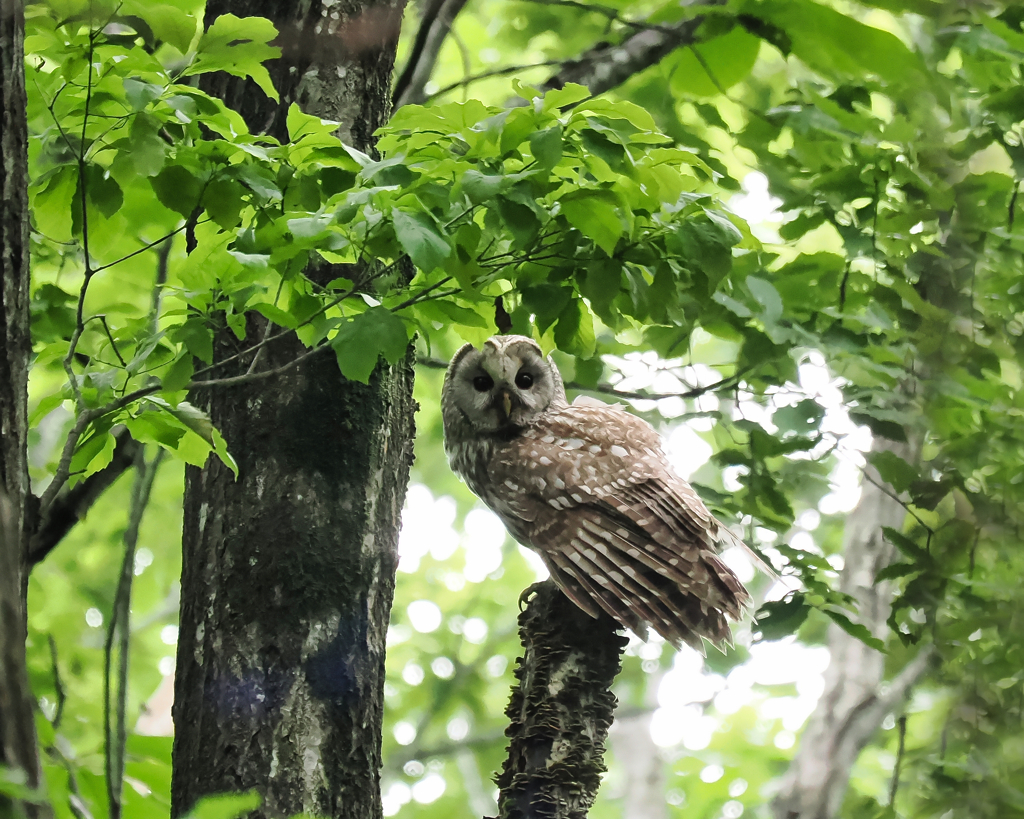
pixel 611 565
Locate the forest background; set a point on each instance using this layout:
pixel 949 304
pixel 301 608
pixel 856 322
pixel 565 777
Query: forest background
pixel 782 231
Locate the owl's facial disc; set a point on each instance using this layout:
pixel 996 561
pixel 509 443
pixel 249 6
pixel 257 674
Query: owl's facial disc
pixel 510 384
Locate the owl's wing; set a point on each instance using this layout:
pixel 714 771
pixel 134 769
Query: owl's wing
pixel 617 528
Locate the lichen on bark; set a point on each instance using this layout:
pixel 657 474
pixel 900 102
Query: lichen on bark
pixel 560 710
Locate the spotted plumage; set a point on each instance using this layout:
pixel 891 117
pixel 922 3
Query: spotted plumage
pixel 588 486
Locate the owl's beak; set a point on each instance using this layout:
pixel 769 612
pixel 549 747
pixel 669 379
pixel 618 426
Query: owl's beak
pixel 506 402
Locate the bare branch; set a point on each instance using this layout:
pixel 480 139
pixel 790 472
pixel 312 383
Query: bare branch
pixel 610 389
pixel 438 17
pixel 607 66
pixel 497 72
pixel 115 685
pixel 71 506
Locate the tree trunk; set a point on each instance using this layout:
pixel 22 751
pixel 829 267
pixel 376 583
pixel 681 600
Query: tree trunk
pixel 561 709
pixel 853 703
pixel 288 572
pixel 18 747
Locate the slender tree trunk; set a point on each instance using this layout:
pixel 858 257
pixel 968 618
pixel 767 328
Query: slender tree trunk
pixel 18 747
pixel 853 703
pixel 288 571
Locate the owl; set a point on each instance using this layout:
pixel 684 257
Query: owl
pixel 588 487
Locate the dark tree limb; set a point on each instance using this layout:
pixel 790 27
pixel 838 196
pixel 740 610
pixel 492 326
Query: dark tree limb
pixel 606 66
pixel 561 709
pixel 438 16
pixel 70 506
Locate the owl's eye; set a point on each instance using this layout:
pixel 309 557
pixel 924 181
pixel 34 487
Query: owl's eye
pixel 524 380
pixel 482 383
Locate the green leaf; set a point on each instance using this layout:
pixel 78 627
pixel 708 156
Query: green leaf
pixel 102 189
pixel 884 427
pixel 894 470
pixel 225 806
pixel 168 23
pixel 177 189
pixel 574 330
pixel 197 421
pixel 767 296
pixel 92 455
pixel 51 207
pixel 45 407
pixel 197 337
pixel 801 418
pixel 722 62
pixel 907 546
pixel 178 375
pixel 276 315
pixel 421 238
pixel 238 46
pixel 360 341
pixel 780 618
pixel 854 629
pixel 601 283
pixel 521 220
pixel 546 147
pixel 481 187
pixel 596 214
pixel 895 570
pixel 835 43
pixel 446 311
pixel 223 199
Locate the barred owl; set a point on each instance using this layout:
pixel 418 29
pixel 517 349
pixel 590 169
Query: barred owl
pixel 589 488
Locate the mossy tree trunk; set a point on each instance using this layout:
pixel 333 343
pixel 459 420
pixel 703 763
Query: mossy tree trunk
pixel 288 571
pixel 560 710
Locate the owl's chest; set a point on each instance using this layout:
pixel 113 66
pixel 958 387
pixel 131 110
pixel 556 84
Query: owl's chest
pixel 482 464
pixel 472 461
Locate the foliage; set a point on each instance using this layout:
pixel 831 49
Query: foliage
pixel 889 130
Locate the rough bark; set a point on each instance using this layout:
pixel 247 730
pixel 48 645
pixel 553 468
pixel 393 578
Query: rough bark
pixel 18 747
pixel 608 66
pixel 288 571
pixel 854 701
pixel 560 711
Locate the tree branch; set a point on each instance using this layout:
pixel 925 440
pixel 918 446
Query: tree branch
pixel 438 17
pixel 561 709
pixel 71 505
pixel 605 66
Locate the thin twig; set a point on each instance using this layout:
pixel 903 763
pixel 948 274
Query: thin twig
pixel 889 493
pixel 497 72
pixel 110 338
pixel 420 296
pixel 894 785
pixel 58 685
pixel 119 632
pixel 144 248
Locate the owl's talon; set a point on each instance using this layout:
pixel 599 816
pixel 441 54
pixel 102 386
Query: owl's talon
pixel 528 593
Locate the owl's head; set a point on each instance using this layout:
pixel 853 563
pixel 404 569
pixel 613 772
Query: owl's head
pixel 505 386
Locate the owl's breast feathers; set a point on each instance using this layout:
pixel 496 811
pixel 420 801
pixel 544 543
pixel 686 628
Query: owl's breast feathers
pixel 589 487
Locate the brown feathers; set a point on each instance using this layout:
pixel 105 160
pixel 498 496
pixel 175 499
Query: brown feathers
pixel 589 487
